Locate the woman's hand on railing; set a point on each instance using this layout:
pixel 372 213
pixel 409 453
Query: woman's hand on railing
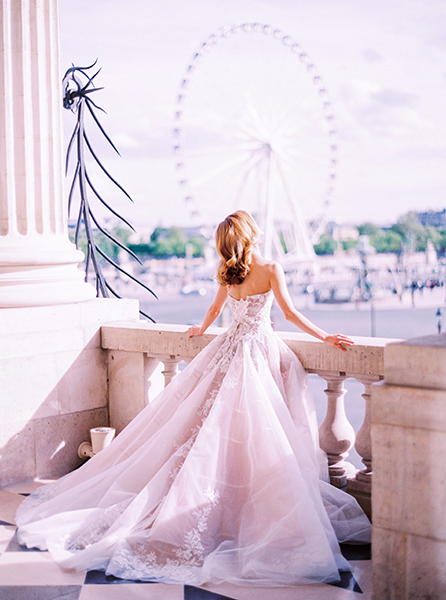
pixel 194 330
pixel 339 341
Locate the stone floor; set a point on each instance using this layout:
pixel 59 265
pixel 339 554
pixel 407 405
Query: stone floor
pixel 27 574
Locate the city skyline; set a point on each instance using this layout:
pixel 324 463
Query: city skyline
pixel 383 64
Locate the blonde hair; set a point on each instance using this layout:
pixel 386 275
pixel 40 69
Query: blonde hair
pixel 235 238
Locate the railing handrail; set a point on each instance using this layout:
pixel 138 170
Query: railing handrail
pixel 366 357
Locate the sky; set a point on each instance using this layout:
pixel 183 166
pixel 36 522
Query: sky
pixel 382 62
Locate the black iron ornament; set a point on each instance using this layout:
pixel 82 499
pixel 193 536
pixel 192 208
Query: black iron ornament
pixel 77 87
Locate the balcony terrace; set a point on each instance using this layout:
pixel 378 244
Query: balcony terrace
pixel 140 358
pixel 126 362
pixel 69 362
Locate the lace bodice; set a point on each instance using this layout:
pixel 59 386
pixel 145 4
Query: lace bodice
pixel 250 321
pixel 252 315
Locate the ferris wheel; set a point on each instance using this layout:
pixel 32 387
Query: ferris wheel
pixel 254 130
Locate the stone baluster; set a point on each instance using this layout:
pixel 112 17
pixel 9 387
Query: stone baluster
pixel 170 368
pixel 336 434
pixel 361 485
pixel 363 443
pixel 150 364
pixel 38 263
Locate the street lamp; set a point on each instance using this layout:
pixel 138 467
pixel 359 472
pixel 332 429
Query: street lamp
pixel 364 250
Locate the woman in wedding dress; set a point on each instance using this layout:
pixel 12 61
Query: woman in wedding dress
pixel 221 477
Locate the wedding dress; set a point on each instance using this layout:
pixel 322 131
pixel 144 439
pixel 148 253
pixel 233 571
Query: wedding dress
pixel 218 479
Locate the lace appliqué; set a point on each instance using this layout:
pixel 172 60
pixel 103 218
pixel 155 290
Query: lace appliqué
pixel 40 496
pixel 192 551
pixel 251 321
pixel 143 563
pixel 43 494
pixel 182 450
pixel 98 528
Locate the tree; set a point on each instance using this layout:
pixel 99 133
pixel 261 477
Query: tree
pixel 326 245
pixel 349 244
pixel 413 233
pixel 369 229
pixel 386 241
pixel 103 242
pixel 440 243
pixel 166 242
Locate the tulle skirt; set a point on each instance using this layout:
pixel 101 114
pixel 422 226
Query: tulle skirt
pixel 220 479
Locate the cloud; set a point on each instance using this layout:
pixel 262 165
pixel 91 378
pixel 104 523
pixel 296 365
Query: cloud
pixel 389 97
pixel 371 55
pixel 370 111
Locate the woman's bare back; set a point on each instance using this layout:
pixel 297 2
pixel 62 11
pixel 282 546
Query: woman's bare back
pixel 258 280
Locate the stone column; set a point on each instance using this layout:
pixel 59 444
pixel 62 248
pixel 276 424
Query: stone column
pixel 409 467
pixel 38 263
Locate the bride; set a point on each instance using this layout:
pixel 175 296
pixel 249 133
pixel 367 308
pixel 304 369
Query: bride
pixel 221 477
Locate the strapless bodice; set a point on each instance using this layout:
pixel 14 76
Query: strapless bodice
pixel 253 312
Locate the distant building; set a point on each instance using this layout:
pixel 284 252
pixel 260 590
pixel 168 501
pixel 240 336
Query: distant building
pixel 432 218
pixel 342 233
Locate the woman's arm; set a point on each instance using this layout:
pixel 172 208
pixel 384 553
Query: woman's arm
pixel 279 287
pixel 212 312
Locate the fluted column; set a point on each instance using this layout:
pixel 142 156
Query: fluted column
pixel 38 263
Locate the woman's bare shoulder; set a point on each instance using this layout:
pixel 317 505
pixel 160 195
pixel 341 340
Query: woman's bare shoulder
pixel 271 267
pixel 260 261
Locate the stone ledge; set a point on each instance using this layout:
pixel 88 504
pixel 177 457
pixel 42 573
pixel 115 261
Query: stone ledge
pixel 420 362
pixel 364 358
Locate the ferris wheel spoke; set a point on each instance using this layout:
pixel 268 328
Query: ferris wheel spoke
pixel 207 151
pixel 232 133
pixel 222 168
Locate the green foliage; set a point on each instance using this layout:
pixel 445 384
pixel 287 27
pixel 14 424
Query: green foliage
pixel 369 229
pixel 434 235
pixel 412 232
pixel 169 242
pixel 407 233
pixel 386 241
pixel 198 245
pixel 440 243
pixel 102 241
pixel 349 244
pixel 326 245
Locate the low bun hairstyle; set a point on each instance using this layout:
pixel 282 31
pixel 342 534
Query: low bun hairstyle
pixel 235 238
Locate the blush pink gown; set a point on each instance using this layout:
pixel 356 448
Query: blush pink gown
pixel 219 479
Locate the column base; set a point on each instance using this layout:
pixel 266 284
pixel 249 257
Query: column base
pixel 362 490
pixel 47 294
pixel 42 274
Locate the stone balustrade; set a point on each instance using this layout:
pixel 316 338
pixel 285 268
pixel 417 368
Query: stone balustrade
pixel 140 354
pixel 409 491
